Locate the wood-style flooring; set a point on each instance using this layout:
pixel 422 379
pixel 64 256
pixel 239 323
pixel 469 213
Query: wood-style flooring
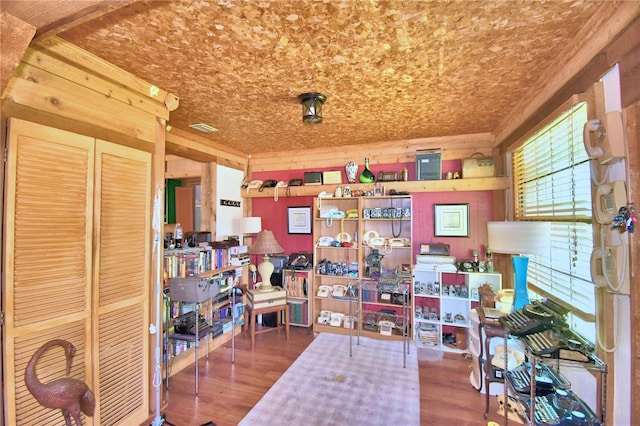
pixel 228 391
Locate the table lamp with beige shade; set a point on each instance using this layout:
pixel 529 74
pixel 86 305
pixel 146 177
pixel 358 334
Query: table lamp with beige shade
pixel 265 244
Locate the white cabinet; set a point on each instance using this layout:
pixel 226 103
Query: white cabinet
pixel 442 301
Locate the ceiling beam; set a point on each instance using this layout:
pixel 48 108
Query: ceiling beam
pixel 53 17
pixel 196 148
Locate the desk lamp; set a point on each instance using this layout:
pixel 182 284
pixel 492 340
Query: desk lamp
pixel 518 239
pixel 265 244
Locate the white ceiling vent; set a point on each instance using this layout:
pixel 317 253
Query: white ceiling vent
pixel 203 127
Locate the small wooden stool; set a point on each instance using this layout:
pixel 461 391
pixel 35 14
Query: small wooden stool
pixel 253 314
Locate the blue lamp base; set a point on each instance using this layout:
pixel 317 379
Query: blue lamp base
pixel 521 293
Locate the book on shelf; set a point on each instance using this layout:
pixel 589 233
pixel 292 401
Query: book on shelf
pixel 193 261
pixel 239 259
pixel 237 250
pixel 298 311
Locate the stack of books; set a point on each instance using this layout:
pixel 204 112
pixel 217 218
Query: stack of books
pixel 238 256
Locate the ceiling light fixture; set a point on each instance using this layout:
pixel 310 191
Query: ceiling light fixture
pixel 312 107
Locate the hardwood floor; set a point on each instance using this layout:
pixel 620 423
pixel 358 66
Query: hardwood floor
pixel 227 391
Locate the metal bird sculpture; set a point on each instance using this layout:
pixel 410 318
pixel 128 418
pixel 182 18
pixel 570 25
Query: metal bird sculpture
pixel 72 396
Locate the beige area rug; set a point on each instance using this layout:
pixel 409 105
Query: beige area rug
pixel 325 386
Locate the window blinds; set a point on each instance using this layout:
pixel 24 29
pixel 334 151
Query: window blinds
pixel 552 183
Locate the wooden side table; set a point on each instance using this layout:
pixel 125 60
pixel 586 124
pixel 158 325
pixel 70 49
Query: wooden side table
pixel 253 314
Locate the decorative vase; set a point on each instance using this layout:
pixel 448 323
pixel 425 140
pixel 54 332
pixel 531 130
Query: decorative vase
pixel 352 171
pixel 367 175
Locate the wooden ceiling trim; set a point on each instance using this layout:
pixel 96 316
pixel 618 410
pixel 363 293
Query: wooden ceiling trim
pixel 76 57
pixel 48 71
pixel 16 36
pixel 64 99
pixel 580 54
pixel 197 148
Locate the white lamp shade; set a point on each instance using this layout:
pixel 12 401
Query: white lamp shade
pixel 250 225
pixel 519 237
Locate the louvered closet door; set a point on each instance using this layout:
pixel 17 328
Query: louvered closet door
pixel 47 261
pixel 121 273
pixel 77 223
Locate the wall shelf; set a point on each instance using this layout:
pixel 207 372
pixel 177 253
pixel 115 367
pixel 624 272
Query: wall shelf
pixel 472 184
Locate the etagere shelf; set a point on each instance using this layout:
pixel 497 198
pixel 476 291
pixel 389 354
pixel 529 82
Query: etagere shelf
pixel 554 401
pixel 363 243
pixel 222 311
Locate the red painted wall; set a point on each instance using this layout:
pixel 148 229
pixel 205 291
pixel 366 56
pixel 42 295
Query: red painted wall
pixel 274 214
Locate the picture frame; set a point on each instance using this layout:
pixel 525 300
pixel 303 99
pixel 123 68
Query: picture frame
pixel 299 220
pixel 451 220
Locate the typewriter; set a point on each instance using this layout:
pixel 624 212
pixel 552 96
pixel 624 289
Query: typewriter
pixel 562 343
pixel 563 407
pixel 547 380
pixel 534 317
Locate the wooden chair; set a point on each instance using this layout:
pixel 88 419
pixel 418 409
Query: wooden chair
pixel 491 374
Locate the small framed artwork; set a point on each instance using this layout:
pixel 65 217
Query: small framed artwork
pixel 451 220
pixel 299 220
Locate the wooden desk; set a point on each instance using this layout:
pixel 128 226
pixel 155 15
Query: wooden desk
pixel 253 314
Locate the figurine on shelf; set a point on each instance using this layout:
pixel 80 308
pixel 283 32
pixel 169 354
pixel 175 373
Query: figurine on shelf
pixel 373 261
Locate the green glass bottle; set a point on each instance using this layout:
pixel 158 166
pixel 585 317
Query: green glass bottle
pixel 367 175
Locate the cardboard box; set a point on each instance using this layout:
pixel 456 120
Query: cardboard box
pixel 257 299
pixel 332 178
pixel 312 178
pixel 477 167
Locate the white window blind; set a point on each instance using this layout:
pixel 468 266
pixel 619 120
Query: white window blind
pixel 552 182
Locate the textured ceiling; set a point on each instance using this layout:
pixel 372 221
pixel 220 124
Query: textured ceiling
pixel 390 70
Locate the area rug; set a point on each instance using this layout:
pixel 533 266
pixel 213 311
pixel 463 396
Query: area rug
pixel 325 386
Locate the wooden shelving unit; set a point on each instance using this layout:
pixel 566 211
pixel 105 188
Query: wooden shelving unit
pixel 472 184
pixel 376 299
pixel 177 361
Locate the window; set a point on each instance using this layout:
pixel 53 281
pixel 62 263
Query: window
pixel 553 183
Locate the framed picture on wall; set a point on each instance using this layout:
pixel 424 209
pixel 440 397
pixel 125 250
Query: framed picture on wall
pixel 299 220
pixel 451 220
